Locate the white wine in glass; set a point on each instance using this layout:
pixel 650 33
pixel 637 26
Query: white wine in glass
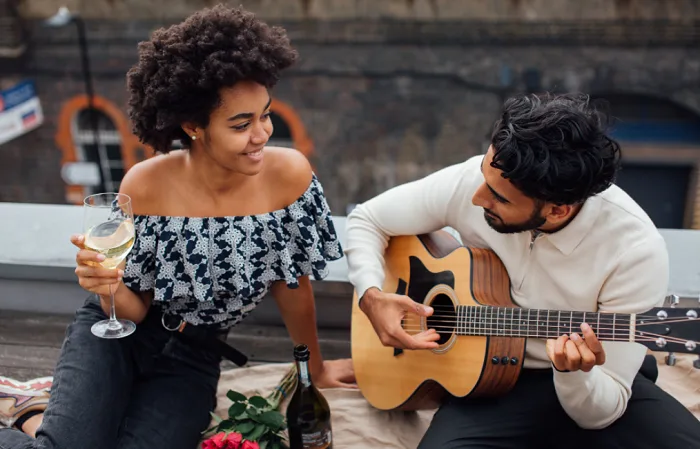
pixel 109 230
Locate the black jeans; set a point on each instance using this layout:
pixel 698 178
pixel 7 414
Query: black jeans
pixel 148 390
pixel 530 416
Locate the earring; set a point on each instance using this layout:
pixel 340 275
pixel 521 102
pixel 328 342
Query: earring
pixel 194 137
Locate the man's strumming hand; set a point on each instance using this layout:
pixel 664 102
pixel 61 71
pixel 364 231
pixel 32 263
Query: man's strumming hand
pixel 386 312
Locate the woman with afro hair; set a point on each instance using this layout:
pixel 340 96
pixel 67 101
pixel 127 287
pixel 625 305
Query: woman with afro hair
pixel 218 226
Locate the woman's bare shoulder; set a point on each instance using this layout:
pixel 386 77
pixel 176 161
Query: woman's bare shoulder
pixel 149 181
pixel 288 171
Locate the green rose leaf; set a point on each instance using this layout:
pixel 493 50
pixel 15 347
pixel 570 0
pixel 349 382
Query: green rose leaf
pixel 272 419
pixel 257 432
pixel 235 396
pixel 236 409
pixel 216 417
pixel 245 427
pixel 258 401
pixel 226 426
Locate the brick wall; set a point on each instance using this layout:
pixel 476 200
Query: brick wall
pixel 492 10
pixel 384 102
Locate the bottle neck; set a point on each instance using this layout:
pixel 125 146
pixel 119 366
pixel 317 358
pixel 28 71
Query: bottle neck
pixel 303 373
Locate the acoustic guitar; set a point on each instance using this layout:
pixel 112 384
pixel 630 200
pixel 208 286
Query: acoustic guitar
pixel 482 332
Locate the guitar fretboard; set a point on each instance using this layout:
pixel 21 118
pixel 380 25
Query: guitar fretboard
pixel 541 323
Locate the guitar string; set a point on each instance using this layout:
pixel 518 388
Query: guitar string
pixel 493 309
pixel 500 322
pixel 641 339
pixel 487 326
pixel 465 320
pixel 612 338
pixel 517 320
pixel 454 319
pixel 547 332
pixel 623 334
pixel 610 320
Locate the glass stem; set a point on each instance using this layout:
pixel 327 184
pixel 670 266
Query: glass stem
pixel 113 323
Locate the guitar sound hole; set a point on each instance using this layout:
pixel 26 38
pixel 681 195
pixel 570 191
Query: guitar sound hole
pixel 444 317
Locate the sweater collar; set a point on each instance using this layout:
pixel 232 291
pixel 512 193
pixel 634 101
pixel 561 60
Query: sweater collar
pixel 567 239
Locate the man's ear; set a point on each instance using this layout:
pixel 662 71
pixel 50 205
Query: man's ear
pixel 559 213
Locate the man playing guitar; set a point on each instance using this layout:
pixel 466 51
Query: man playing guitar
pixel 543 199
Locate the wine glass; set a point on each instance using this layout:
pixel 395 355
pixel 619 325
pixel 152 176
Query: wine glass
pixel 108 223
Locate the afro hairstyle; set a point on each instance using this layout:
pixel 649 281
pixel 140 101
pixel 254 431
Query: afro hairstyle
pixel 182 68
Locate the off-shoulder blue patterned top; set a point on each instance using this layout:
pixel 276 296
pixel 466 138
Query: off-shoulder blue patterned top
pixel 215 270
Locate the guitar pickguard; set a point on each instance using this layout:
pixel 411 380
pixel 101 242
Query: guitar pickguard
pixel 423 280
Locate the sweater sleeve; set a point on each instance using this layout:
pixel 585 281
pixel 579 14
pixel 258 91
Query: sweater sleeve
pixel 417 207
pixel 637 283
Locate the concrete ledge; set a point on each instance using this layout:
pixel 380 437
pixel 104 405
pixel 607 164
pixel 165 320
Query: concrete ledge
pixel 35 242
pixel 37 262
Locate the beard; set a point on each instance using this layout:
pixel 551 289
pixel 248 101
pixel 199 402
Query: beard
pixel 533 222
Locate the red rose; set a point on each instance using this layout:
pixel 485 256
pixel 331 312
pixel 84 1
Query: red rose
pixel 223 441
pixel 233 441
pixel 250 445
pixel 215 442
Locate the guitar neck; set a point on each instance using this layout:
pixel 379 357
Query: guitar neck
pixel 542 323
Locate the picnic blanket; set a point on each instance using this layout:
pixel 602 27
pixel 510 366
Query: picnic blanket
pixel 357 425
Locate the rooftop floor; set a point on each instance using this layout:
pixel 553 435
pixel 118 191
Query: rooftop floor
pixel 30 343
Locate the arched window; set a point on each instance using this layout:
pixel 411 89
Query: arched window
pixel 282 134
pixel 289 130
pixel 103 149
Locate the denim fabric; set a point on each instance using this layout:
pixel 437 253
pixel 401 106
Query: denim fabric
pixel 148 390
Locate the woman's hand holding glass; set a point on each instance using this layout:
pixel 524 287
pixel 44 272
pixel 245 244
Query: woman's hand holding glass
pixel 91 276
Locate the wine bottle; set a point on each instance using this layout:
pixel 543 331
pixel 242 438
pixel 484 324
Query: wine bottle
pixel 308 413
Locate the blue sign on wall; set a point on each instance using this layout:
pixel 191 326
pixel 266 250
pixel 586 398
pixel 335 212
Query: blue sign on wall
pixel 20 111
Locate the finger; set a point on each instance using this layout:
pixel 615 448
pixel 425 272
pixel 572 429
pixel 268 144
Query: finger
pixel 593 343
pixel 348 375
pixel 347 378
pixel 429 335
pixel 91 283
pixel 587 357
pixel 410 305
pixel 549 348
pixel 94 272
pixel 409 342
pixel 85 255
pixel 78 240
pixel 573 358
pixel 559 359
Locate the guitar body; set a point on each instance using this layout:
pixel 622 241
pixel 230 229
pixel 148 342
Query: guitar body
pixel 436 270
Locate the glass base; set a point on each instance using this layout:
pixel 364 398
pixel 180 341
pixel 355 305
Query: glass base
pixel 118 329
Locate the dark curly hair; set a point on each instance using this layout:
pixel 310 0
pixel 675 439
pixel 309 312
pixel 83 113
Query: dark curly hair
pixel 554 148
pixel 182 69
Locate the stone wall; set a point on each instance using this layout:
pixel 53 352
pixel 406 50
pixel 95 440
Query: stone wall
pixel 492 10
pixel 384 101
